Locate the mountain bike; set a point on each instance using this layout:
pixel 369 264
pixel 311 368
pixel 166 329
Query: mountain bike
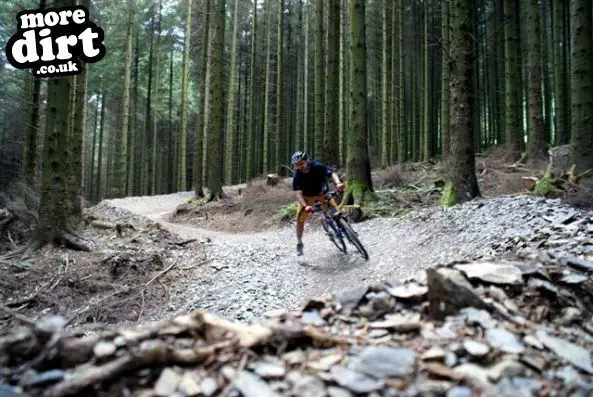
pixel 336 226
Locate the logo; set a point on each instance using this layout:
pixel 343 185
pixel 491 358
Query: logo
pixel 52 42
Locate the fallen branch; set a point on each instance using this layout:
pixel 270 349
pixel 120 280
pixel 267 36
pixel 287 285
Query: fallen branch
pixel 149 354
pixel 17 316
pixel 53 341
pixel 103 224
pixel 99 302
pixel 184 242
pixel 118 227
pixel 171 266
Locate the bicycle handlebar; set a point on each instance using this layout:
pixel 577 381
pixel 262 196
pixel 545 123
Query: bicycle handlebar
pixel 328 196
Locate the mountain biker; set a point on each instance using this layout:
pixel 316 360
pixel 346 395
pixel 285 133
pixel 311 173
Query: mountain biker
pixel 310 184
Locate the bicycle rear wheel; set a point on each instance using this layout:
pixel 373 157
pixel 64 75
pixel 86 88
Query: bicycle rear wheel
pixel 352 237
pixel 333 235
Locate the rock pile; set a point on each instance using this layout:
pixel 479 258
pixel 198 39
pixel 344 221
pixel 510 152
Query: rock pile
pixel 514 326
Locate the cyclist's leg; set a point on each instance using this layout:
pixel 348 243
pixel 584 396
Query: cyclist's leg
pixel 333 203
pixel 302 217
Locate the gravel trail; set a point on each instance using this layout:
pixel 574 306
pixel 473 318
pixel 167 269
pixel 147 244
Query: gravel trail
pixel 250 274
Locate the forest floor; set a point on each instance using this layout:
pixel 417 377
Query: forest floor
pixel 163 255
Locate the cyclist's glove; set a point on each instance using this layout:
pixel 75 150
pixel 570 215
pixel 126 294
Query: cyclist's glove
pixel 340 187
pixel 309 209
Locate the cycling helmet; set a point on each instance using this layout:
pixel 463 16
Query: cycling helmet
pixel 298 156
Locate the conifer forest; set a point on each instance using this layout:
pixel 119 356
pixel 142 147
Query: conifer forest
pixel 199 94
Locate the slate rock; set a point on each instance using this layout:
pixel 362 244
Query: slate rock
pixel 491 272
pixel 350 298
pixel 574 354
pixel 354 381
pixel 504 340
pixel 385 362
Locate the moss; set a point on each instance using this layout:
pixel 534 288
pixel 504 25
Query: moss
pixel 358 192
pixel 287 212
pixel 449 197
pixel 546 187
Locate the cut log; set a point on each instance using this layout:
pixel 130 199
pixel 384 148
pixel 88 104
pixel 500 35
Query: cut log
pixel 352 212
pixel 529 182
pixel 272 179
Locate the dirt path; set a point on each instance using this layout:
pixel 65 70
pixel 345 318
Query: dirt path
pixel 253 273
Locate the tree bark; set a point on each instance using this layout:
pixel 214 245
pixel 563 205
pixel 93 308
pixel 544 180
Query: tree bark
pixel 512 81
pixel 332 106
pixel 319 81
pixel 214 181
pixel 537 145
pixel 250 161
pixel 461 164
pixel 358 168
pixel 581 86
pixel 230 162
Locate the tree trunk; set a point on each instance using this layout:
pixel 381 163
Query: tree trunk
pixel 91 163
pixel 385 87
pixel 403 131
pixel 332 106
pixel 182 177
pixel 172 170
pixel 132 177
pixel 122 136
pixel 214 181
pixel 426 89
pixel 75 178
pixel 358 167
pixel 343 95
pixel 581 85
pixel 319 81
pixel 30 160
pixel 155 106
pixel 56 222
pixel 445 81
pixel 307 144
pixel 561 127
pixel 266 137
pixel 512 81
pixel 280 133
pixel 230 162
pixel 199 156
pixel 537 146
pixel 250 161
pixel 146 152
pixel 462 182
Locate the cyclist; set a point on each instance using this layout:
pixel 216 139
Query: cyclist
pixel 310 184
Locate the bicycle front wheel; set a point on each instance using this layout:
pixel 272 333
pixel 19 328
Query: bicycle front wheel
pixel 352 237
pixel 333 236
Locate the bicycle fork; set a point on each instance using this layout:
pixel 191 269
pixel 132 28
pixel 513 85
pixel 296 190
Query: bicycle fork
pixel 332 227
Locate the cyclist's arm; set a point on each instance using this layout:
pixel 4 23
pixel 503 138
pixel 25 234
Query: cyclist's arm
pixel 335 178
pixel 300 199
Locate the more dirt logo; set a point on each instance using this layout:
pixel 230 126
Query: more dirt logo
pixel 52 42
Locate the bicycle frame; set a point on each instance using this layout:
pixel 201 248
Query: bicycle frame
pixel 328 212
pixel 337 227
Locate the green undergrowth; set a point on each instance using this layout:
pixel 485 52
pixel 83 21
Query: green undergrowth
pixel 287 212
pixel 381 206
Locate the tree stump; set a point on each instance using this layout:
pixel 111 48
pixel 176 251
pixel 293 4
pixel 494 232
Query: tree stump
pixel 272 179
pixel 353 213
